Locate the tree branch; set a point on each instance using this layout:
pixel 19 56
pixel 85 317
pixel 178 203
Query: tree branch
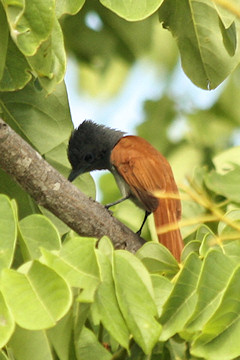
pixel 52 191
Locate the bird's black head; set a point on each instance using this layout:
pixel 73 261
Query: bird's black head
pixel 90 146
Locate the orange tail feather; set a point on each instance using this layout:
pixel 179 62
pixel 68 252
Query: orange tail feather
pixel 165 215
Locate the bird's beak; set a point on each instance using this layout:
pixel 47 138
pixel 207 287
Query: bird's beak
pixel 74 174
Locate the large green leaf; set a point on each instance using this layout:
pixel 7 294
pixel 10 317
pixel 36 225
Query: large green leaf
pixel 8 186
pixel 208 51
pixel 36 116
pixel 108 308
pixel 215 273
pixel 77 263
pixel 29 345
pixel 61 335
pixel 158 259
pixel 7 323
pixel 3 39
pixel 36 295
pixel 226 16
pixel 16 72
pixel 162 288
pixel 182 300
pixel 132 10
pixel 227 184
pixel 8 232
pixel 228 159
pixel 219 338
pixel 30 21
pixel 38 231
pixel 89 348
pixel 135 297
pixel 49 62
pixel 68 6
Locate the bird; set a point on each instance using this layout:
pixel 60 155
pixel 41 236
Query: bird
pixel 140 171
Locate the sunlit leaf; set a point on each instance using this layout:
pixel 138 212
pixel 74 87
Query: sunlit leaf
pixel 158 259
pixel 89 348
pixel 76 262
pixel 38 231
pixel 8 232
pixel 227 184
pixel 37 297
pixel 136 299
pixel 219 338
pixel 49 62
pixel 7 323
pixel 215 273
pixel 36 345
pixel 162 288
pixel 30 22
pixel 108 308
pixel 60 336
pixel 16 73
pixel 3 39
pixel 36 116
pixel 182 301
pixel 132 10
pixel 206 56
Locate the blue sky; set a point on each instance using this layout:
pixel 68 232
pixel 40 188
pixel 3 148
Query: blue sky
pixel 125 110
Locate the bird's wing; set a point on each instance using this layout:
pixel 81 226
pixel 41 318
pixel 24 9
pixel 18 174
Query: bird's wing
pixel 146 171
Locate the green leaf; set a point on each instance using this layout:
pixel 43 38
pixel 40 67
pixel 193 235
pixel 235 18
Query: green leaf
pixel 135 297
pixel 49 62
pixel 8 186
pixel 227 185
pixel 3 39
pixel 76 262
pixel 16 72
pixel 30 21
pixel 232 217
pixel 60 336
pixel 7 323
pixel 38 231
pixel 162 288
pixel 158 259
pixel 132 10
pixel 203 43
pixel 36 295
pixel 108 308
pixel 181 303
pixel 68 7
pixel 219 338
pixel 8 232
pixel 228 159
pixel 50 117
pixel 226 16
pixel 214 276
pixel 105 246
pixel 192 246
pixel 89 348
pixel 29 345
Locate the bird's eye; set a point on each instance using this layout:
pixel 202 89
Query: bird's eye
pixel 88 157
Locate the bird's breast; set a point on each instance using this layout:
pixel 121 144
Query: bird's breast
pixel 121 183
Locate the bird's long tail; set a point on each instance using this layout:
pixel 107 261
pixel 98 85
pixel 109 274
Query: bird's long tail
pixel 166 215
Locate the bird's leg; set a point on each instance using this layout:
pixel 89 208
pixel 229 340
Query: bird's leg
pixel 107 206
pixel 147 213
